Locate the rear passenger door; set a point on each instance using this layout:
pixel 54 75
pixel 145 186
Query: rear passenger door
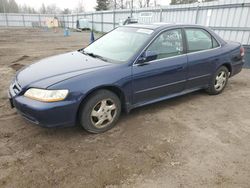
pixel 202 54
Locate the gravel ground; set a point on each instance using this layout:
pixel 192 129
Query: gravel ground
pixel 195 140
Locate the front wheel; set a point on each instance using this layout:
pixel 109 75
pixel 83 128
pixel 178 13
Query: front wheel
pixel 100 112
pixel 218 81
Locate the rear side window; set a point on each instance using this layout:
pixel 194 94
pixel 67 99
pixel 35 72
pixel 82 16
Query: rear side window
pixel 215 43
pixel 199 39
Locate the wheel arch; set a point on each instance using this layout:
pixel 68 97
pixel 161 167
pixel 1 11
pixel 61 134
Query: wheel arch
pixel 228 66
pixel 115 89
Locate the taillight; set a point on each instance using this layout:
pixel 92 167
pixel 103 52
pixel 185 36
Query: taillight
pixel 242 51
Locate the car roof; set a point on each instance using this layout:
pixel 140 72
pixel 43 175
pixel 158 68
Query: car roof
pixel 161 25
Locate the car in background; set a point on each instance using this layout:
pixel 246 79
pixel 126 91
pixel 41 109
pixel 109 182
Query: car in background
pixel 129 67
pixel 83 24
pixel 128 21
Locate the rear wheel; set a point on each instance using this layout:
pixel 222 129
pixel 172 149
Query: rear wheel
pixel 100 112
pixel 218 81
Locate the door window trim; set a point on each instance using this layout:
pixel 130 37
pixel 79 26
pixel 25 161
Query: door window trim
pixel 154 38
pixel 184 41
pixel 184 29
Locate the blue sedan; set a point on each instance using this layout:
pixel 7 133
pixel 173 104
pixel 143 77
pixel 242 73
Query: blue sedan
pixel 131 66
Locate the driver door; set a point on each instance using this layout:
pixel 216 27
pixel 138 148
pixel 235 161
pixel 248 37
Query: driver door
pixel 163 70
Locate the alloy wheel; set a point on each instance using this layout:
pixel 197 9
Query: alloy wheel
pixel 103 113
pixel 220 80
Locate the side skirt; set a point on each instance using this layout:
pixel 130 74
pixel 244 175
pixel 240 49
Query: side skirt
pixel 130 107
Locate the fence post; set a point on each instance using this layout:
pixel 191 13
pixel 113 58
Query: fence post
pixel 102 20
pixel 23 20
pixel 63 25
pixel 197 14
pixel 114 19
pixel 67 21
pixel 39 18
pixel 248 41
pixel 161 15
pixel 6 17
pixel 92 21
pixel 76 17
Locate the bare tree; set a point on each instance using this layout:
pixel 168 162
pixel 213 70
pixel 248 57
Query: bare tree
pixel 174 2
pixel 80 6
pixel 53 9
pixel 144 3
pixel 42 9
pixel 13 7
pixel 66 11
pixel 8 6
pixel 119 4
pixel 128 4
pixel 50 9
pixel 3 5
pixel 156 3
pixel 102 5
pixel 27 9
pixel 141 3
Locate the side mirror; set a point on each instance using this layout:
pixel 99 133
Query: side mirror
pixel 147 56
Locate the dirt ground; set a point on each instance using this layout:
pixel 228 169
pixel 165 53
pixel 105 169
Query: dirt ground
pixel 195 140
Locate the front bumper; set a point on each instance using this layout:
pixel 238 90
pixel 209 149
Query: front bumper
pixel 56 114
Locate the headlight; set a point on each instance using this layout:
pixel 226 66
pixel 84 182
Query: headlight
pixel 46 95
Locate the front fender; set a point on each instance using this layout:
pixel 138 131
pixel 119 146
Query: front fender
pixel 81 86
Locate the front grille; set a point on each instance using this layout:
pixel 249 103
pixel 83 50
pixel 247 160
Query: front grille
pixel 15 88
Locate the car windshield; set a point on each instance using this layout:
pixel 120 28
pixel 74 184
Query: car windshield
pixel 119 45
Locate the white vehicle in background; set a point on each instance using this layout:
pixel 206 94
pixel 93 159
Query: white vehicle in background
pixel 83 24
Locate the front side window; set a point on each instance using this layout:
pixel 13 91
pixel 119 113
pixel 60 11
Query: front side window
pixel 199 39
pixel 167 44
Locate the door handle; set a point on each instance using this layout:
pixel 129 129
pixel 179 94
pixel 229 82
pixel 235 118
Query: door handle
pixel 179 68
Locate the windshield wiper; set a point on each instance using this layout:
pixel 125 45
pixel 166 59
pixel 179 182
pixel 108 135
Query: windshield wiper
pixel 94 55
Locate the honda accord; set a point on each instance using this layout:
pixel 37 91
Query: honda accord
pixel 131 66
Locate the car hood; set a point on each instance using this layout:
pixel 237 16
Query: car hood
pixel 57 68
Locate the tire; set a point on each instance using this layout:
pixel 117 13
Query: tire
pixel 100 112
pixel 218 81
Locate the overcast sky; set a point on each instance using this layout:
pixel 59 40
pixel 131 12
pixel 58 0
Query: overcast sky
pixel 71 4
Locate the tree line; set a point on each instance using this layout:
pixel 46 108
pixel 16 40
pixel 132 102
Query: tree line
pixel 127 4
pixel 10 6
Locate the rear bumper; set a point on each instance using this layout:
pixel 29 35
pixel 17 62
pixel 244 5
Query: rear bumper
pixel 56 114
pixel 237 67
